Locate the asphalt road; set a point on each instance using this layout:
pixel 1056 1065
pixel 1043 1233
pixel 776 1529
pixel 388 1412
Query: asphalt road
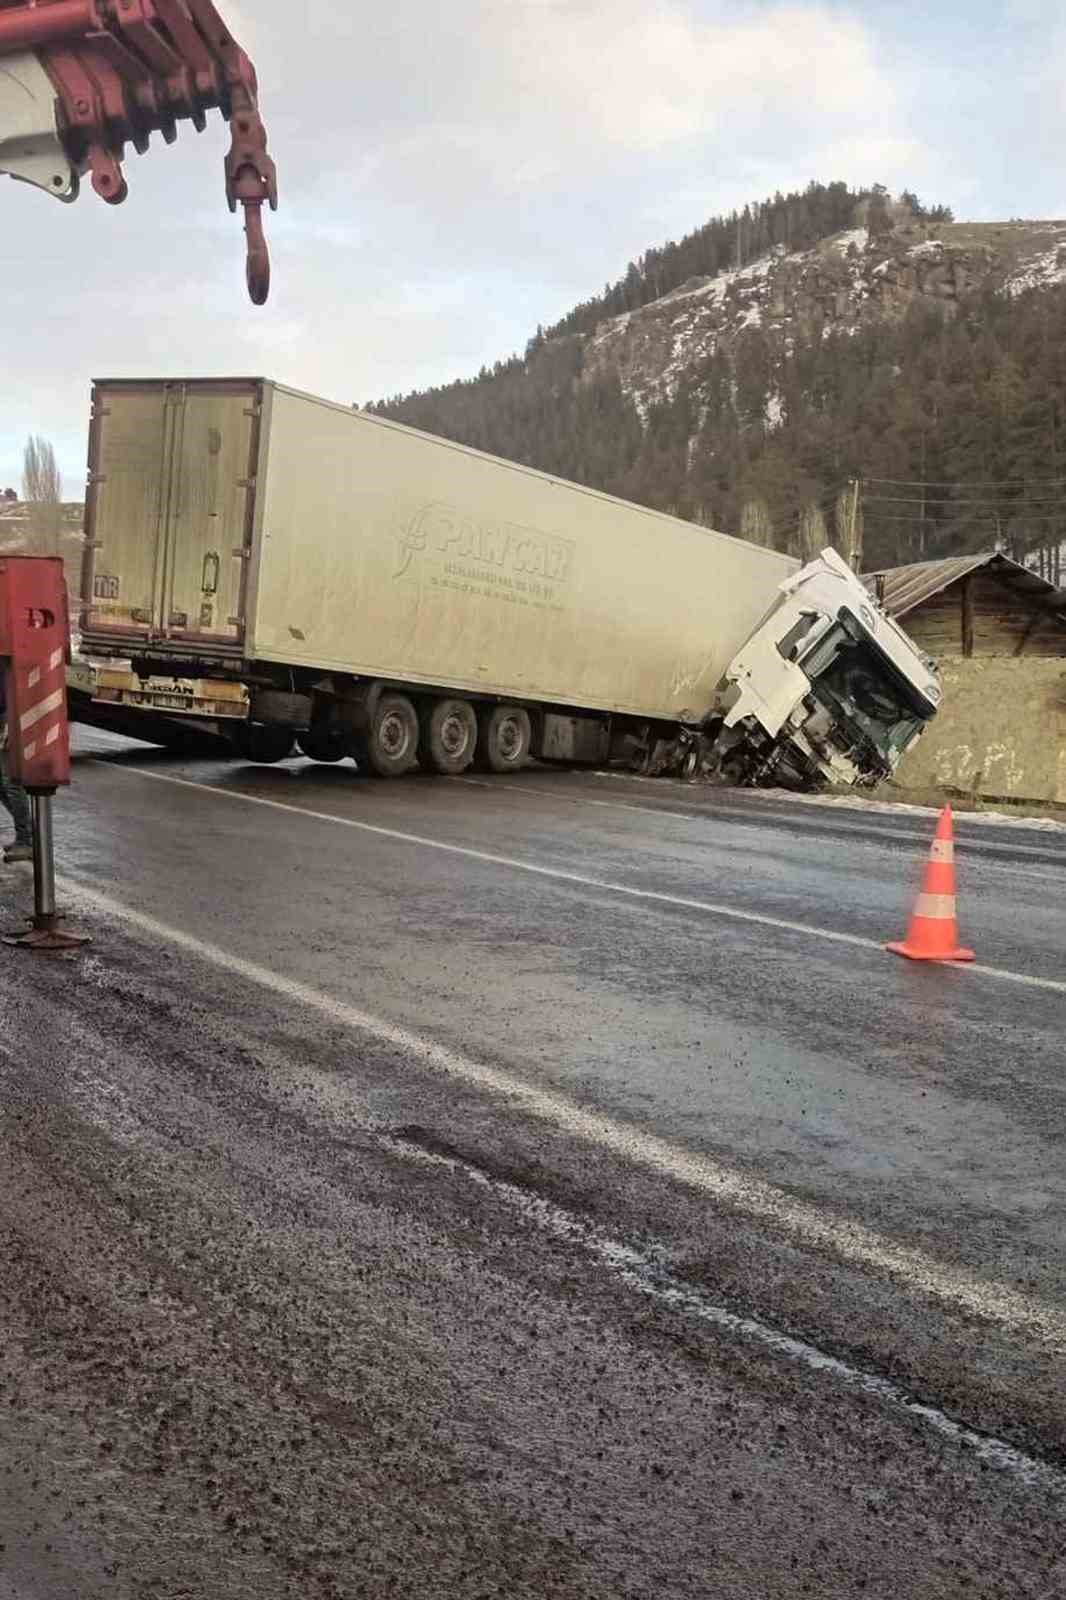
pixel 544 1187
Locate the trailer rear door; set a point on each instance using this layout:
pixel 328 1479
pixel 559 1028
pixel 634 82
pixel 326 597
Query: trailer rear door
pixel 171 492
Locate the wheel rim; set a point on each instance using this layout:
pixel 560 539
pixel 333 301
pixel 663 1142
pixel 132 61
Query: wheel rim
pixel 394 736
pixel 509 739
pixel 454 736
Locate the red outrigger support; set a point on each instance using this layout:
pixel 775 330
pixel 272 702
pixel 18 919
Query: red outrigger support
pixel 34 651
pixel 125 69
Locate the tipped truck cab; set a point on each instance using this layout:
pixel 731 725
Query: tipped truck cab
pixel 828 689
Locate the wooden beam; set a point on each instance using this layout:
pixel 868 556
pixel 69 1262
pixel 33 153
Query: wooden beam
pixel 967 616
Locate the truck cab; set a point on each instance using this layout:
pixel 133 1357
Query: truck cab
pixel 827 690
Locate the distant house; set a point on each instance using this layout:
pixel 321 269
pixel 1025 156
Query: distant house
pixel 998 632
pixel 978 605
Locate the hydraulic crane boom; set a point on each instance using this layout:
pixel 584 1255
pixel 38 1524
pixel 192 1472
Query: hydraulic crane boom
pixel 79 79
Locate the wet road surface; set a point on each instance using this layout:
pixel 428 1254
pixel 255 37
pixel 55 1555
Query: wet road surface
pixel 527 1188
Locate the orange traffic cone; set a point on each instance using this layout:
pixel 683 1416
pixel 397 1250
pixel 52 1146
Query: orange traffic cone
pixel 933 934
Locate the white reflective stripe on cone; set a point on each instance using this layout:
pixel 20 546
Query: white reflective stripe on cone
pixel 935 906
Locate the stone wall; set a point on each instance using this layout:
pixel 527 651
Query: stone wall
pixel 1001 731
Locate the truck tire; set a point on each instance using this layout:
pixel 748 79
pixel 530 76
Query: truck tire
pixel 690 764
pixel 449 736
pixel 504 736
pixel 255 742
pixel 323 744
pixel 391 747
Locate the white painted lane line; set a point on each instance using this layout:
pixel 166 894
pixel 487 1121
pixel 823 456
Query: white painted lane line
pixel 509 787
pixel 640 1271
pixel 848 1241
pixel 603 885
pixel 975 848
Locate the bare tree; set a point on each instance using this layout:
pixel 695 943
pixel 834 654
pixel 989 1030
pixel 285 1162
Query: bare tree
pixel 42 492
pixel 756 524
pixel 811 536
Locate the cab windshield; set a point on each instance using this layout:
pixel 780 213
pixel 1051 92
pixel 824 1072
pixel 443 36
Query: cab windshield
pixel 859 685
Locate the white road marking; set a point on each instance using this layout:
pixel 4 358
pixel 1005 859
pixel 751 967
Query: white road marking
pixel 849 1241
pixel 639 1270
pixel 510 787
pixel 603 885
pixel 757 818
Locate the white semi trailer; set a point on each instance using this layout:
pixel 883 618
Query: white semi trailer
pixel 377 592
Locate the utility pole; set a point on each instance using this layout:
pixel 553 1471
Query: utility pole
pixel 854 534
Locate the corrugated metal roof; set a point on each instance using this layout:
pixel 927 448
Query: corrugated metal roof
pixel 902 588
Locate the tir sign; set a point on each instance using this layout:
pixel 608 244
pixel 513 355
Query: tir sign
pixel 35 648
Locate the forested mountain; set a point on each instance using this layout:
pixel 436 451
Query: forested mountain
pixel 749 375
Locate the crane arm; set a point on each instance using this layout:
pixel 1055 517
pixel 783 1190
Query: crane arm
pixel 79 79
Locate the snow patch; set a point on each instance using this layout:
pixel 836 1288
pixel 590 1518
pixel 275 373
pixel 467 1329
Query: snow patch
pixel 1040 273
pixel 609 329
pixel 859 237
pixel 855 802
pixel 717 289
pixel 931 247
pixel 840 802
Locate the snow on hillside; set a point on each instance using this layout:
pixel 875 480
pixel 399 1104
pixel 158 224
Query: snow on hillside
pixel 841 284
pixel 854 239
pixel 1042 271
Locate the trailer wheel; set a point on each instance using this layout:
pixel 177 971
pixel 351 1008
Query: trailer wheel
pixel 391 747
pixel 323 744
pixel 255 741
pixel 690 763
pixel 503 739
pixel 449 736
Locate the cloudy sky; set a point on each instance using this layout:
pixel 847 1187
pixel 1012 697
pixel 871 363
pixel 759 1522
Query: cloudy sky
pixel 451 175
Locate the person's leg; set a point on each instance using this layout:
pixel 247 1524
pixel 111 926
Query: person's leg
pixel 17 801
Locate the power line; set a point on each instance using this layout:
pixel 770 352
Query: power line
pixel 976 483
pixel 936 500
pixel 977 516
